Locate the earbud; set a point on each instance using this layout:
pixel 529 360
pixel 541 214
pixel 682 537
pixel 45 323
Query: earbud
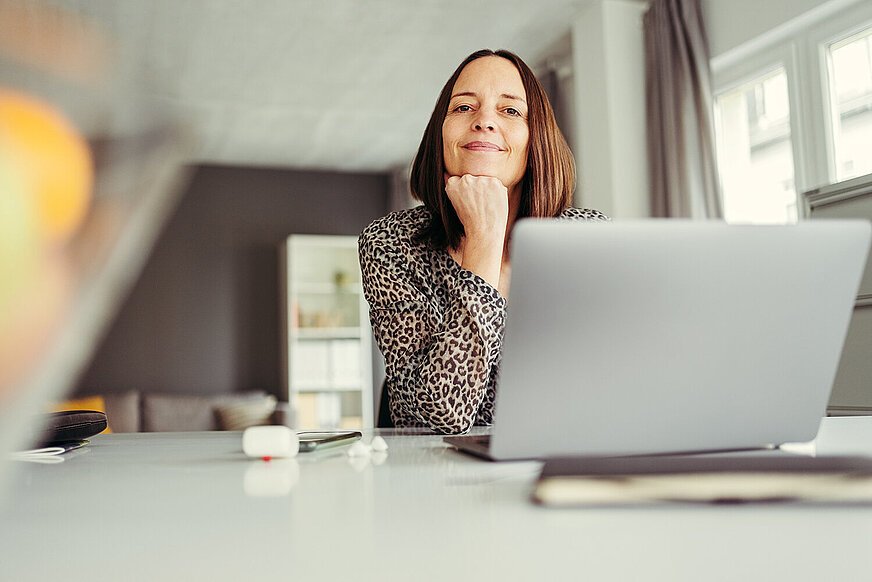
pixel 378 444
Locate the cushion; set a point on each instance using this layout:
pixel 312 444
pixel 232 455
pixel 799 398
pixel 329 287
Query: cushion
pixel 242 415
pixel 181 412
pixel 122 409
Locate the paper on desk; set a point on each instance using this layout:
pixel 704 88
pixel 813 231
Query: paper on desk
pixel 43 455
pixel 50 454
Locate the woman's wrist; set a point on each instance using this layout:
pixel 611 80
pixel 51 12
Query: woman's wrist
pixel 488 237
pixel 483 256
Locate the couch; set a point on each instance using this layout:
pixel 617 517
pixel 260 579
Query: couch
pixel 135 411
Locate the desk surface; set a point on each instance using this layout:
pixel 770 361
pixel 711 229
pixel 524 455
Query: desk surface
pixel 190 506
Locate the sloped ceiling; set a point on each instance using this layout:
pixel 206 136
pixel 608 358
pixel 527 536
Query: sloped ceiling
pixel 326 84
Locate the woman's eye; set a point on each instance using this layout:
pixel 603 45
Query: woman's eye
pixel 512 111
pixel 463 108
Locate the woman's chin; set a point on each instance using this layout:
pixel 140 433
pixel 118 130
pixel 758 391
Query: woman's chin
pixel 476 170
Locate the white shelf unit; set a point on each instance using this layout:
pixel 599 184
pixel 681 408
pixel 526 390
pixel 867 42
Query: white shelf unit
pixel 327 351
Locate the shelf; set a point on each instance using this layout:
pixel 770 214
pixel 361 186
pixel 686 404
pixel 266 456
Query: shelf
pixel 327 346
pixel 304 333
pixel 303 389
pixel 325 289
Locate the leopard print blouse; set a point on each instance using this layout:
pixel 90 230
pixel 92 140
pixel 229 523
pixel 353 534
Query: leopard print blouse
pixel 438 325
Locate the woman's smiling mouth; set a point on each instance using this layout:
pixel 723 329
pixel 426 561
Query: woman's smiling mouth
pixel 482 146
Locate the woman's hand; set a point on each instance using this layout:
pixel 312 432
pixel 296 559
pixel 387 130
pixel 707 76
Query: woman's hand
pixel 482 205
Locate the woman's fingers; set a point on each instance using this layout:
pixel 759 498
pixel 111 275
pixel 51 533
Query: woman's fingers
pixel 481 203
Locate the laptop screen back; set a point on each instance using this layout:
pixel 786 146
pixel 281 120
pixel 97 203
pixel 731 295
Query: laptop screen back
pixel 672 336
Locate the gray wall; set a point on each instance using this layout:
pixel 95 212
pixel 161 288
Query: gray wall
pixel 204 316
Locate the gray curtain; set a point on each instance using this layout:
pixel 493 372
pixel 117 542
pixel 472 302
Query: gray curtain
pixel 681 157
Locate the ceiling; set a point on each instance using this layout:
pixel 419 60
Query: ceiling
pixel 321 84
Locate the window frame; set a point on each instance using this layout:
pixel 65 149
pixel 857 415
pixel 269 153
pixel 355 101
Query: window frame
pixel 831 31
pixel 759 65
pixel 801 49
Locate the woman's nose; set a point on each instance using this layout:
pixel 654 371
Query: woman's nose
pixel 484 122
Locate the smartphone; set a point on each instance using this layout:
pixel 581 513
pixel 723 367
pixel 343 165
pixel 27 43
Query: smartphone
pixel 317 440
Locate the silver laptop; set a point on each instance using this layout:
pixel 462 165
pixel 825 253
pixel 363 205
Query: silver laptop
pixel 668 336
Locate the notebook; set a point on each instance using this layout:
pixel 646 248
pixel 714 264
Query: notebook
pixel 586 481
pixel 665 336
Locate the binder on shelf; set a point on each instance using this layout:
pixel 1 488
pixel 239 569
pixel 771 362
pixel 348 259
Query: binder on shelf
pixel 329 409
pixel 310 364
pixel 307 410
pixel 345 364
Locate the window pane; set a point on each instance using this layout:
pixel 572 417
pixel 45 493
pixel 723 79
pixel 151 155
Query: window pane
pixel 755 153
pixel 850 74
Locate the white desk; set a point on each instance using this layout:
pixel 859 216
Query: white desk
pixel 174 507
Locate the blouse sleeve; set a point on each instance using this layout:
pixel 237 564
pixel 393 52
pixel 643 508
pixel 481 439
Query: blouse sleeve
pixel 439 362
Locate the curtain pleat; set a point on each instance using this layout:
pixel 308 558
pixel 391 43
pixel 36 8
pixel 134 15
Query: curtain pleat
pixel 681 156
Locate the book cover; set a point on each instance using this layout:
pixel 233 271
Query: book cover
pixel 585 481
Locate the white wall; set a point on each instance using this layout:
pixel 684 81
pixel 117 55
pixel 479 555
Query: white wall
pixel 736 27
pixel 608 86
pixel 730 23
pixel 609 94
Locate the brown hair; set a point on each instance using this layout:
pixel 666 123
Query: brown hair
pixel 549 178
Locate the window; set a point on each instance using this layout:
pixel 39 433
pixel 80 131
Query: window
pixel 793 113
pixel 849 64
pixel 755 153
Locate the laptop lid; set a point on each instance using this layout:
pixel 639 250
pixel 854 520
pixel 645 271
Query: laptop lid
pixel 672 336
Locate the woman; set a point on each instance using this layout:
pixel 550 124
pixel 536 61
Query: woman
pixel 437 276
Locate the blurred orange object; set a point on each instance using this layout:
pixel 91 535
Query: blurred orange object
pixel 53 160
pixel 46 178
pixel 19 242
pixel 31 318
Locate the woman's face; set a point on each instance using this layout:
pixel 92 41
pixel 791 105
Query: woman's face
pixel 485 131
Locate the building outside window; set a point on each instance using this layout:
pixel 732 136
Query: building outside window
pixel 849 64
pixel 794 116
pixel 755 153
